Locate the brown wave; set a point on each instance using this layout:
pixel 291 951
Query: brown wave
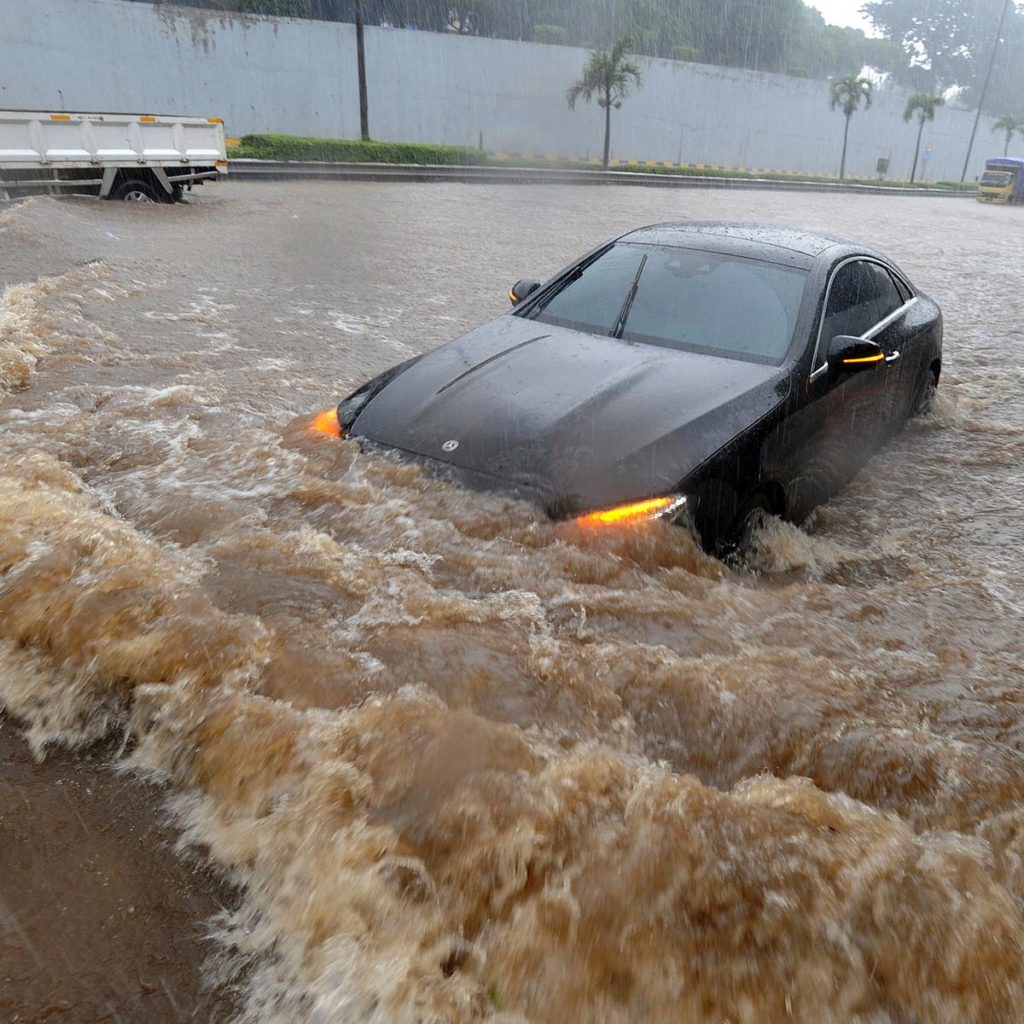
pixel 469 765
pixel 407 856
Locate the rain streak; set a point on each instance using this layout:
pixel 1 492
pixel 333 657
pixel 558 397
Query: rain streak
pixel 468 764
pixel 412 753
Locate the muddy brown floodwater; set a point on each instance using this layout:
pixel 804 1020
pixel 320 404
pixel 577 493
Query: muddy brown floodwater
pixel 100 920
pixel 464 764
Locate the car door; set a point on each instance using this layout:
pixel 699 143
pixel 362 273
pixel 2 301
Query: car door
pixel 845 417
pixel 892 388
pixel 911 333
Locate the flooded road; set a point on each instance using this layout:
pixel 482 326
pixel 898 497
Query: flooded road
pixel 468 764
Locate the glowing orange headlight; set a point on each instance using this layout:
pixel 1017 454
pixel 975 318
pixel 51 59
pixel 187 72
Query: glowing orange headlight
pixel 326 423
pixel 634 512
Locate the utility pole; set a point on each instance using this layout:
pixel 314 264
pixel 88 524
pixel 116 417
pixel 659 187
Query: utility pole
pixel 364 107
pixel 984 88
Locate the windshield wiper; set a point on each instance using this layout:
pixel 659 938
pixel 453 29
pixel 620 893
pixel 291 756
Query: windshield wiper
pixel 539 306
pixel 620 324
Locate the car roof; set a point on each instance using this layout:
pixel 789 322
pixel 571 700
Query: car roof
pixel 772 242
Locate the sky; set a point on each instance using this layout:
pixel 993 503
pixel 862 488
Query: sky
pixel 843 12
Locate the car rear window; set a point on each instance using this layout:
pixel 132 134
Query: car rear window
pixel 683 298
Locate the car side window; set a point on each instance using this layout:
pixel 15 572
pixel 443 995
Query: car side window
pixel 901 287
pixel 852 308
pixel 889 299
pixel 861 295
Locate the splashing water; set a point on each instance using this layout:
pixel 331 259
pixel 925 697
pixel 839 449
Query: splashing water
pixel 468 764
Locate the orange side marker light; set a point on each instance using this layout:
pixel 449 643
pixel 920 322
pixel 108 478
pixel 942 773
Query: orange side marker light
pixel 326 423
pixel 877 358
pixel 627 513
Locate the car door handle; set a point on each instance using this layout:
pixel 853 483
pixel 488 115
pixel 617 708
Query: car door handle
pixel 892 357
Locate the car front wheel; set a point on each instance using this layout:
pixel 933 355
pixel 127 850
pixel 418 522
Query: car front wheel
pixel 926 392
pixel 751 519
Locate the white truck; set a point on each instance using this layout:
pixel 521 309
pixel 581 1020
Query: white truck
pixel 138 157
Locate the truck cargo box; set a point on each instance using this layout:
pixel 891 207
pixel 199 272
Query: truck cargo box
pixel 140 157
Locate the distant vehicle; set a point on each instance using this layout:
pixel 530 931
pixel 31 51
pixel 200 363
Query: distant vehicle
pixel 704 373
pixel 138 157
pixel 1003 181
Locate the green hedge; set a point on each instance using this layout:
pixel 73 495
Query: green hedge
pixel 550 34
pixel 295 147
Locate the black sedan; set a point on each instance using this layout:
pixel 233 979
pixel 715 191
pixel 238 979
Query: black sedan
pixel 708 373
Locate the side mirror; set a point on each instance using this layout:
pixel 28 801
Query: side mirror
pixel 847 354
pixel 521 289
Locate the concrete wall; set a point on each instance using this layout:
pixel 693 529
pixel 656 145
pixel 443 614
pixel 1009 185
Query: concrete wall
pixel 285 75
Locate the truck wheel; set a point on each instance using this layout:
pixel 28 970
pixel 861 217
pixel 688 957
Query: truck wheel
pixel 134 190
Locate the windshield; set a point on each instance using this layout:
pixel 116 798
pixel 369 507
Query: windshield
pixel 682 298
pixel 998 179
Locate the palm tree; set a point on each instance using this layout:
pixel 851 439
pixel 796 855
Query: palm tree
pixel 924 106
pixel 608 75
pixel 847 92
pixel 1011 125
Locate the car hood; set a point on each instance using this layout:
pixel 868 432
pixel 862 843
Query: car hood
pixel 577 420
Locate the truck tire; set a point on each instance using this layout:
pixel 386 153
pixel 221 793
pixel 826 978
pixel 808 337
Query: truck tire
pixel 136 190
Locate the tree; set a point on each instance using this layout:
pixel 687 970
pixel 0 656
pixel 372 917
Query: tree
pixel 935 34
pixel 924 106
pixel 950 43
pixel 550 34
pixel 609 76
pixel 1010 125
pixel 783 36
pixel 847 92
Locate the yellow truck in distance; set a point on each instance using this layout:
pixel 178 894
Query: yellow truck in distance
pixel 1003 181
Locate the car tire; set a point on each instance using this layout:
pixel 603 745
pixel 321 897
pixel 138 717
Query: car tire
pixel 136 190
pixel 737 540
pixel 925 396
